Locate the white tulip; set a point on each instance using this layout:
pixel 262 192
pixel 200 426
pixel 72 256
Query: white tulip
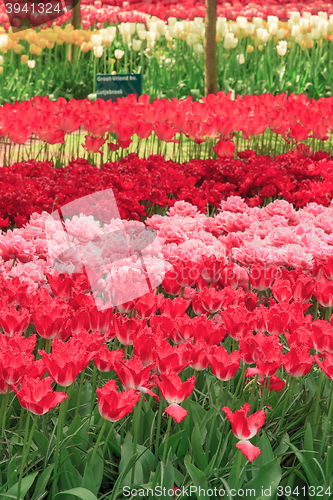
pixel 295 31
pixel 280 34
pixel 31 64
pixel 142 34
pixel 257 21
pixel 241 58
pixel 282 48
pixel 295 16
pixel 3 41
pixel 96 40
pixel 314 21
pixel 273 29
pixel 304 23
pixel 172 21
pixel 250 29
pixel 118 54
pixel 137 45
pixel 299 38
pixel 191 39
pixel 234 28
pixel 331 19
pixel 168 37
pixel 272 19
pixel 98 51
pixel 307 15
pixel 263 34
pixel 315 34
pixel 323 27
pixel 242 22
pixel 323 15
pixel 230 42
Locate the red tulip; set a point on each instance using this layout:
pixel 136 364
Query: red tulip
pixel 37 396
pixel 105 360
pixel 224 365
pixel 224 148
pixel 297 362
pixel 174 391
pixel 322 336
pixel 324 292
pixel 133 375
pixel 112 404
pixel 93 144
pixel 245 428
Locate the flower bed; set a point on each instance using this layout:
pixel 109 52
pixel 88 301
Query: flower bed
pixel 140 186
pixel 240 322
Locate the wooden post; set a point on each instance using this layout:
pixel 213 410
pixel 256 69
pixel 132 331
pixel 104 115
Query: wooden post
pixel 76 22
pixel 210 48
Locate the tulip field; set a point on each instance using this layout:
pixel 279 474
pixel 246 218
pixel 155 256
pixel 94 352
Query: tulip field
pixel 166 259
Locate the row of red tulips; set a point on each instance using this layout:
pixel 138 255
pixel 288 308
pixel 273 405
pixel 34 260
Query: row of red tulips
pixel 294 118
pixel 145 186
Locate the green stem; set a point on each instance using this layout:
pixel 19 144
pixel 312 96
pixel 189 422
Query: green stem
pixel 78 402
pixel 26 448
pixel 159 418
pixel 3 409
pixel 165 449
pixel 238 466
pixel 285 403
pixel 318 396
pixel 98 442
pixel 57 448
pixel 108 437
pixel 328 420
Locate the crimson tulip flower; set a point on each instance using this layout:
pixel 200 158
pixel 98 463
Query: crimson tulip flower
pixel 224 365
pixel 324 292
pixel 67 360
pixel 245 428
pixel 297 362
pixel 174 391
pixel 93 144
pixel 133 375
pixel 326 365
pixel 104 359
pixel 112 404
pixel 322 336
pixel 37 395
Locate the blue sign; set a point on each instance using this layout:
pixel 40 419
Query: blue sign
pixel 114 86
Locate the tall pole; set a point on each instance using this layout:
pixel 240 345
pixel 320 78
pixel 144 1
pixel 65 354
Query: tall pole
pixel 76 22
pixel 210 48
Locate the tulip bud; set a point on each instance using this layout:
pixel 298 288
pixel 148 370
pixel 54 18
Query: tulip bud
pixel 241 58
pixel 31 64
pixel 137 45
pixel 304 24
pixel 249 49
pixel 24 59
pixel 3 41
pixel 98 51
pixel 118 54
pixel 295 17
pixel 273 28
pixel 282 48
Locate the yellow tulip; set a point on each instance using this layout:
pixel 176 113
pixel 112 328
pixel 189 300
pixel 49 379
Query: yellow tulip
pixel 249 49
pixel 38 51
pixel 18 48
pixel 24 59
pixel 42 43
pixel 1 70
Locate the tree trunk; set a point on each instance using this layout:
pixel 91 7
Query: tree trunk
pixel 76 22
pixel 210 48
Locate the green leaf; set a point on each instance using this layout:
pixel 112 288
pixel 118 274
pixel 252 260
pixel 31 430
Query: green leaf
pixel 82 493
pixel 265 456
pixel 127 452
pixel 25 486
pixel 308 443
pixel 12 472
pixel 266 481
pixel 198 453
pixel 122 475
pixel 88 480
pixel 307 466
pixel 198 477
pixel 42 482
